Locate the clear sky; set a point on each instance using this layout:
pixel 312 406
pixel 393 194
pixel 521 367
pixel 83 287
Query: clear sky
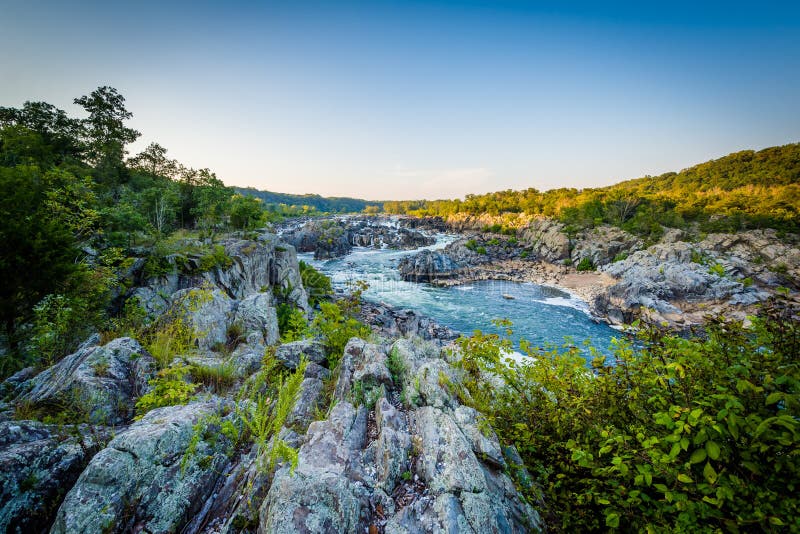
pixel 404 99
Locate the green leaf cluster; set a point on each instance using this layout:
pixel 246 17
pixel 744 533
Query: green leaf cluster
pixel 667 435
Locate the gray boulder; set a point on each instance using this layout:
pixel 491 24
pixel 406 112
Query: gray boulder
pixel 145 480
pixel 547 239
pixel 102 383
pixel 38 465
pixel 258 319
pixel 207 311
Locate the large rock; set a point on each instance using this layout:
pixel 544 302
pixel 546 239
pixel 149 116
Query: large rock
pixel 145 480
pixel 666 279
pixel 38 465
pixel 547 239
pixel 321 495
pixel 402 468
pixel 602 244
pixel 428 266
pixel 208 311
pixel 258 319
pixel 101 382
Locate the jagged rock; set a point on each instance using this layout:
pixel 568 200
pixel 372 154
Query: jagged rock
pixel 336 237
pixel 394 322
pixel 392 445
pixel 101 382
pixel 207 311
pixel 289 353
pixel 38 465
pixel 321 496
pixel 547 239
pixel 144 480
pixel 257 316
pixel 602 244
pixel 306 404
pixel 666 276
pixel 247 359
pixel 483 440
pixel 427 266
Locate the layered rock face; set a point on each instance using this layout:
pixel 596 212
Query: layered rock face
pixel 377 463
pixel 332 238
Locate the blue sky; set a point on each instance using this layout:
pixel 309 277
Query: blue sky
pixel 387 100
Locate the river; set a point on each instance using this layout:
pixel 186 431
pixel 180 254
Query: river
pixel 542 315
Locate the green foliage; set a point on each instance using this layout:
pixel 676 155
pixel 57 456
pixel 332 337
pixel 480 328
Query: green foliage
pixel 246 212
pixel 317 285
pixel 218 377
pixel 742 190
pixel 217 258
pixel 264 418
pixel 585 265
pixel 335 326
pixel 620 257
pixel 672 435
pixel 169 388
pixel 396 366
pixel 292 323
pixel 717 269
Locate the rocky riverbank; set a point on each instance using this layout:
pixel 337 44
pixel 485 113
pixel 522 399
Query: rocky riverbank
pixel 676 281
pixel 382 442
pixel 336 237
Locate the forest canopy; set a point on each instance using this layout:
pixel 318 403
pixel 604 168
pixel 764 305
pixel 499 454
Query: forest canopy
pixel 743 190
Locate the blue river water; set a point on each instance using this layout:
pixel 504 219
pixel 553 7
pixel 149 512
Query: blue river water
pixel 544 316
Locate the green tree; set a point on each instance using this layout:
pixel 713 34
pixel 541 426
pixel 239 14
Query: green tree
pixel 105 131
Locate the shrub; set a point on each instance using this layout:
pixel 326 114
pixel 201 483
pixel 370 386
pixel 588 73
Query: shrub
pixel 292 323
pixel 585 265
pixel 717 269
pixel 481 250
pixel 673 435
pixel 620 257
pixel 217 258
pixel 317 285
pixel 336 328
pixel 264 418
pixel 170 387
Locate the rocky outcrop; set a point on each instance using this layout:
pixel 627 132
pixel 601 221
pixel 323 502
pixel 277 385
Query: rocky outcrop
pixel 336 237
pixel 38 464
pixel 601 245
pixel 546 239
pixel 373 465
pixel 394 322
pixel 668 281
pixel 429 266
pixel 258 319
pixel 256 265
pixel 101 383
pixel 145 480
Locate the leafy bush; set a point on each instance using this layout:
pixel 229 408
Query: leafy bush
pixel 677 435
pixel 317 285
pixel 336 328
pixel 217 258
pixel 585 265
pixel 717 269
pixel 264 418
pixel 620 257
pixel 292 323
pixel 170 387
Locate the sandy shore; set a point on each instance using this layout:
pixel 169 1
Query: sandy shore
pixel 584 285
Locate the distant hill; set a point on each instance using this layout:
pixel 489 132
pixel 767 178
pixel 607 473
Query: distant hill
pixel 747 189
pixel 319 203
